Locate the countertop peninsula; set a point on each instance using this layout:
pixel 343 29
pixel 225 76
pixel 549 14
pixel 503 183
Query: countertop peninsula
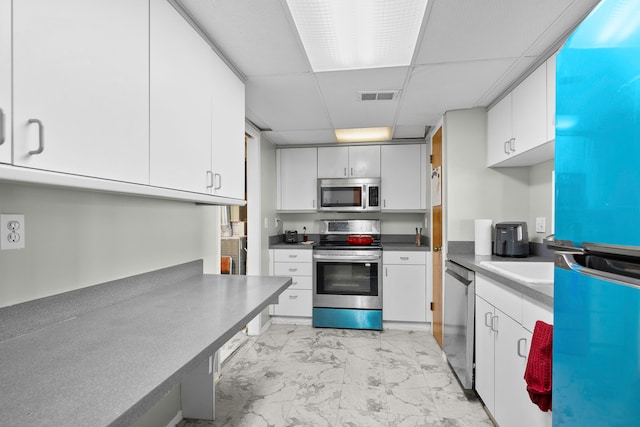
pixel 109 365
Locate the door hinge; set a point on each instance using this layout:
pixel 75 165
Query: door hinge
pixel 431 305
pixel 431 158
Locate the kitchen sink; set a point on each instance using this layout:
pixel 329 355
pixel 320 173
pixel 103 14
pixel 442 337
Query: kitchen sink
pixel 534 273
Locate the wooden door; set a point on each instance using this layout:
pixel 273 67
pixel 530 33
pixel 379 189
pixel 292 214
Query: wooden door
pixel 436 248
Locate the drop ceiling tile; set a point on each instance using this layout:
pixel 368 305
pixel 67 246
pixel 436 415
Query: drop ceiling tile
pixel 287 102
pixel 463 30
pixel 256 35
pixel 563 26
pixel 340 93
pixel 516 72
pixel 406 132
pixel 435 89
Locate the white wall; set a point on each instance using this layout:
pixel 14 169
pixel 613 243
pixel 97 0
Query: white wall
pixel 540 199
pixel 391 223
pixel 77 238
pixel 472 190
pixel 268 181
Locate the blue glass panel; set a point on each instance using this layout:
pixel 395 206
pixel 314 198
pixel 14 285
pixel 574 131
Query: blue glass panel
pixel 596 355
pixel 597 158
pixel 347 318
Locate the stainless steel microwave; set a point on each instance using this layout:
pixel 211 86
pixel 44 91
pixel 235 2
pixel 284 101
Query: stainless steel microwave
pixel 349 195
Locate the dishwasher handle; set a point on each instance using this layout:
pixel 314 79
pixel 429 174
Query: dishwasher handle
pixel 458 277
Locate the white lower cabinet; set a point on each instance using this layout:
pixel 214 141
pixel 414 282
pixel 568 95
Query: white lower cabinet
pixel 296 301
pixel 404 286
pixel 502 348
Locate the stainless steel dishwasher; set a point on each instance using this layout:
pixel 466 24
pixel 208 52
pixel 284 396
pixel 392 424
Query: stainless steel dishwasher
pixel 458 321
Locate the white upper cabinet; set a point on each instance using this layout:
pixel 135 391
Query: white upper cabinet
pixel 197 111
pixel 349 162
pixel 297 178
pixel 403 177
pixel 228 160
pixel 499 131
pixel 333 162
pixel 529 107
pixel 5 81
pixel 81 87
pixel 517 125
pixel 181 81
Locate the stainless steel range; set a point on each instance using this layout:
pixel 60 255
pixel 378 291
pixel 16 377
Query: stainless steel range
pixel 347 275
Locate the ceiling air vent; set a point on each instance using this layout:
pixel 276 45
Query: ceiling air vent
pixel 385 95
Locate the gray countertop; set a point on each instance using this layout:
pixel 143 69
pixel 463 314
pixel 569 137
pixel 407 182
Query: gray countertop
pixel 110 365
pixel 472 262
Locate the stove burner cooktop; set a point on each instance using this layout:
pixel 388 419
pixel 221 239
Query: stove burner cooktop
pixel 336 244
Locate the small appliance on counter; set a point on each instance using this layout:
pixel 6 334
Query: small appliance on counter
pixel 512 239
pixel 291 236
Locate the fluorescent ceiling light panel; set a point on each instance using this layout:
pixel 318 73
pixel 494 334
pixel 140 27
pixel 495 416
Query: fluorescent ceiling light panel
pixel 354 34
pixel 363 134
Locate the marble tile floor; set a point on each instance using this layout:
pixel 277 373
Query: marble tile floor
pixel 302 376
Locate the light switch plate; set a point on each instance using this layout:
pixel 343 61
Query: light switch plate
pixel 540 224
pixel 12 231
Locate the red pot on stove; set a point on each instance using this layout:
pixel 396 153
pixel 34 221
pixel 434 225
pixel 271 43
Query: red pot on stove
pixel 359 240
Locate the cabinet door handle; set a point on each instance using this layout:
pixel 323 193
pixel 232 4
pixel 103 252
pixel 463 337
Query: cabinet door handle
pixel 404 258
pixel 293 270
pixel 40 136
pixel 512 144
pixel 351 171
pixel 384 203
pixel 293 296
pixel 487 319
pixel 313 204
pixel 386 272
pixel 218 179
pixel 294 283
pixel 345 171
pixel 293 256
pixel 209 179
pixel 521 353
pixel 2 130
pixel 494 323
pixel 507 149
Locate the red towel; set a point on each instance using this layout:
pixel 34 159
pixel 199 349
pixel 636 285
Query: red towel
pixel 538 372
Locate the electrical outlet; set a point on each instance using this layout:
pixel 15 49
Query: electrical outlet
pixel 540 224
pixel 12 231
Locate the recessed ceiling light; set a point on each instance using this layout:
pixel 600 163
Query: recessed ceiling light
pixel 363 134
pixel 354 34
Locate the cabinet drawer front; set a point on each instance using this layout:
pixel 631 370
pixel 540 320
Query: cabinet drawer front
pixel 404 257
pixel 293 255
pixel 301 282
pixel 500 297
pixel 294 303
pixel 293 269
pixel 533 311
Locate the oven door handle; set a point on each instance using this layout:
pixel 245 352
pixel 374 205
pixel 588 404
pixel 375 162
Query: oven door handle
pixel 347 258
